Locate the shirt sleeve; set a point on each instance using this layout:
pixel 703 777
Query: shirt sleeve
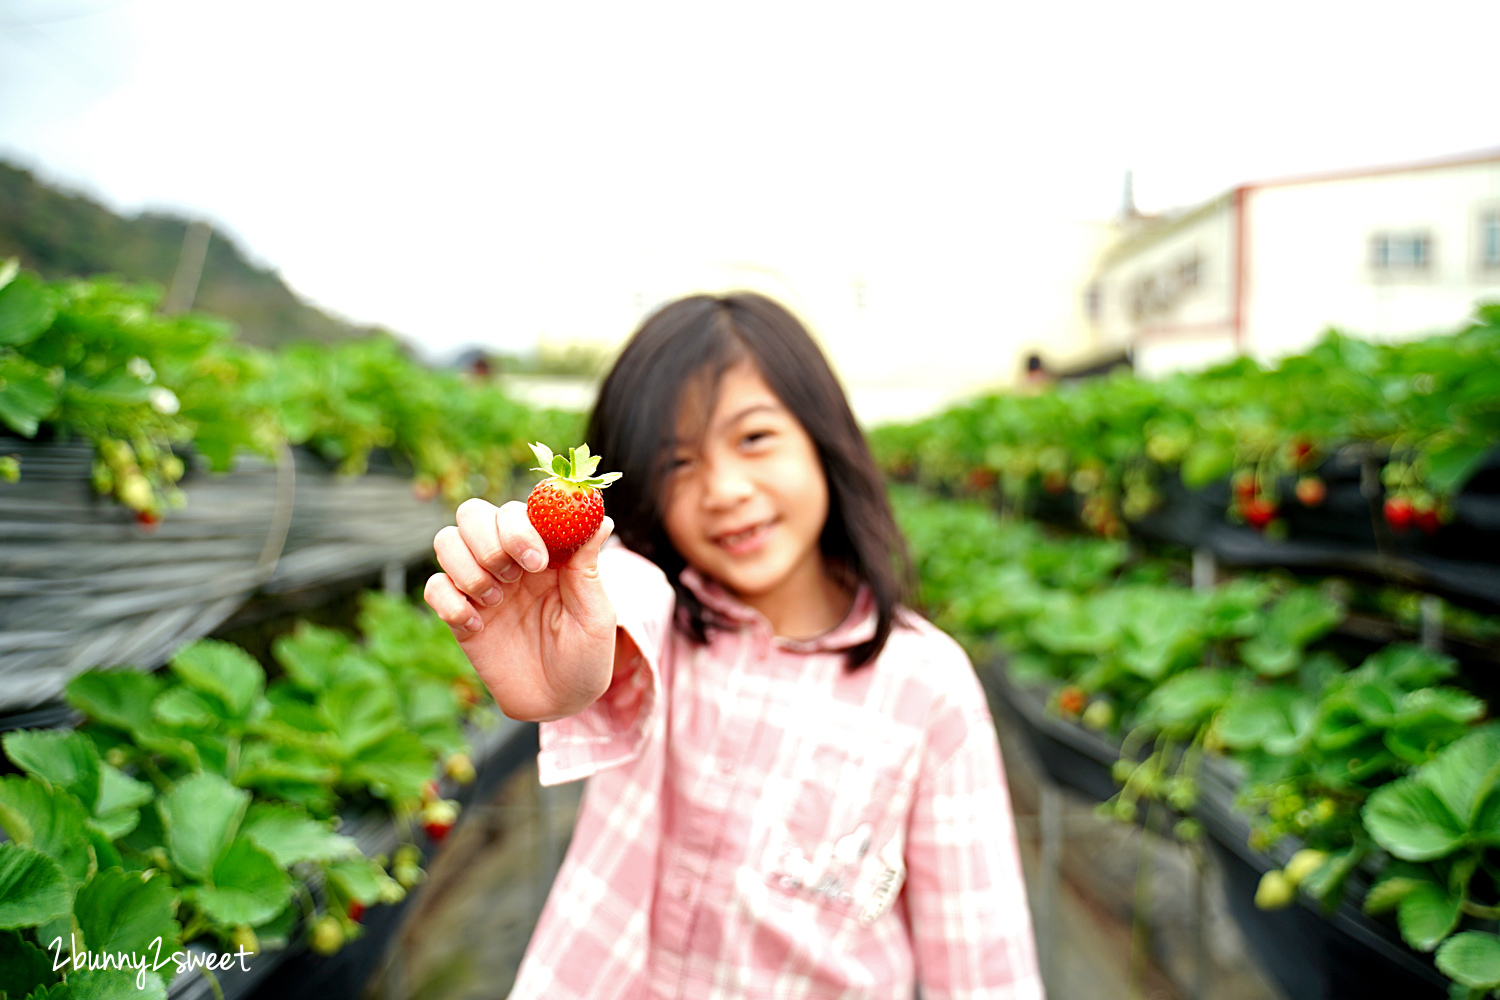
pixel 612 730
pixel 966 898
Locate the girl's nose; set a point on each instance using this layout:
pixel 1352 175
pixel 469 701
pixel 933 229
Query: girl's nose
pixel 725 484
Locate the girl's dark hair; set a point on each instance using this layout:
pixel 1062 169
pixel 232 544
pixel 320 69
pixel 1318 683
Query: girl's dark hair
pixel 693 341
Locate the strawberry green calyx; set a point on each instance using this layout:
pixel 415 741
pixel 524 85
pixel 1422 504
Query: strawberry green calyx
pixel 575 471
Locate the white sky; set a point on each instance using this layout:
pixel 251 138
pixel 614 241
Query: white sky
pixel 499 172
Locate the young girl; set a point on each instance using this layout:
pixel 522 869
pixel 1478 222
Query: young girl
pixel 795 786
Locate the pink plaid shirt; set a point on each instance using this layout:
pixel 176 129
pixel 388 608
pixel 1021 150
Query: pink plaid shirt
pixel 760 822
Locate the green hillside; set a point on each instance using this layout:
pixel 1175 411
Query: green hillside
pixel 64 235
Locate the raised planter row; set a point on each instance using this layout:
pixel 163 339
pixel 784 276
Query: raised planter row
pixel 1310 954
pixel 85 584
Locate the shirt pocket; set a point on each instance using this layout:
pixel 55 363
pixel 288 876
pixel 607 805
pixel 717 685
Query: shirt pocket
pixel 840 837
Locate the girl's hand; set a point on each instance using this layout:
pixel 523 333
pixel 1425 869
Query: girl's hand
pixel 542 637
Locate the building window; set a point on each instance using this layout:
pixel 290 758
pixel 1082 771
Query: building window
pixel 1401 251
pixel 1489 239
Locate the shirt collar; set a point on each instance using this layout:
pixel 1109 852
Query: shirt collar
pixel 857 625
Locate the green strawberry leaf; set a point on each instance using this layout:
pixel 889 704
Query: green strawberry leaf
pixel 1303 615
pixel 1387 893
pixel 64 759
pixel 396 767
pixel 1204 462
pixel 182 706
pixel 223 670
pixel 118 790
pixel 120 698
pixel 360 878
pixel 1462 775
pixel 309 653
pixel 1270 654
pixel 49 819
pixel 266 762
pixel 58 991
pixel 23 966
pixel 360 713
pixel 200 815
pixel 1450 467
pixel 27 395
pixel 115 984
pixel 1426 915
pixel 1409 820
pixel 125 912
pixel 33 889
pixel 1471 958
pixel 249 887
pixel 1184 701
pixel 116 824
pixel 1408 666
pixel 105 853
pixel 289 835
pixel 26 309
pixel 1486 826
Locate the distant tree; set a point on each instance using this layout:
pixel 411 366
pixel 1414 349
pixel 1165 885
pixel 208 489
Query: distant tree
pixel 64 235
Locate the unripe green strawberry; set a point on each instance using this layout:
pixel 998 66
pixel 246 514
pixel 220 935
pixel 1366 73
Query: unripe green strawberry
pixel 327 935
pixel 460 767
pixel 1275 891
pixel 1303 864
pixel 244 938
pixel 567 508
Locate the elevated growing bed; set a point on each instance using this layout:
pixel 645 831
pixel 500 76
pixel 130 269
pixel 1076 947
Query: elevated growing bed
pixel 83 584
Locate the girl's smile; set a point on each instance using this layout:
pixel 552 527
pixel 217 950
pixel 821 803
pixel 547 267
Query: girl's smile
pixel 747 501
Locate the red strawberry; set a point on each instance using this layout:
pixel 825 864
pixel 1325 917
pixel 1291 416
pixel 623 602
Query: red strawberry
pixel 1260 512
pixel 1301 450
pixel 1244 484
pixel 1424 514
pixel 1311 491
pixel 566 508
pixel 1071 700
pixel 438 818
pixel 356 910
pixel 1398 514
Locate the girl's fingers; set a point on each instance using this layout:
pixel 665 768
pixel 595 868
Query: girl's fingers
pixel 476 527
pixel 583 593
pixel 519 539
pixel 452 606
pixel 459 564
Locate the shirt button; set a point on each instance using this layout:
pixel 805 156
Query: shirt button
pixel 726 766
pixel 682 890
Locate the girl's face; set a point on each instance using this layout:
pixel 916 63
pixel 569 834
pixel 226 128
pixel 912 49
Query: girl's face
pixel 746 495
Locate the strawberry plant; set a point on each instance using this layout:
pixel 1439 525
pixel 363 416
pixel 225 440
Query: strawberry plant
pixel 1344 760
pixel 1427 407
pixel 203 801
pixel 93 359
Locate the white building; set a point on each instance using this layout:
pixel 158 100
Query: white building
pixel 1384 253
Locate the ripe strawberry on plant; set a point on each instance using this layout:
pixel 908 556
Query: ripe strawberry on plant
pixel 1427 517
pixel 1260 511
pixel 567 508
pixel 1399 513
pixel 1311 491
pixel 438 818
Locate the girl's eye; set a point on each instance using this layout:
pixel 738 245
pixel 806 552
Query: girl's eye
pixel 755 437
